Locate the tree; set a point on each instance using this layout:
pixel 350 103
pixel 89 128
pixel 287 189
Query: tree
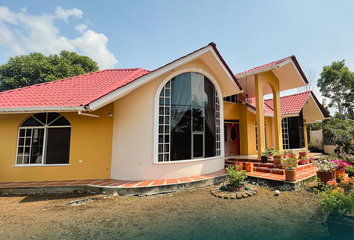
pixel 26 70
pixel 335 84
pixel 340 129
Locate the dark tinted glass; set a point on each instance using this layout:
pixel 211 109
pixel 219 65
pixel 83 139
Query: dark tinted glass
pixel 181 89
pixel 42 117
pixel 198 145
pixel 180 133
pixel 31 122
pixel 52 117
pixel 58 145
pixel 209 95
pixel 62 121
pixel 198 119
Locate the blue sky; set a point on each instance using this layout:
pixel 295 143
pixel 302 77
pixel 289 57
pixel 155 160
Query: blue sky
pixel 149 34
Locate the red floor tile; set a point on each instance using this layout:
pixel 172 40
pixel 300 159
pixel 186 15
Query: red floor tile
pixel 172 181
pixel 144 183
pixel 158 182
pixel 195 178
pixel 185 179
pixel 131 184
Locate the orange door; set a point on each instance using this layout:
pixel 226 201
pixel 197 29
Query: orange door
pixel 232 139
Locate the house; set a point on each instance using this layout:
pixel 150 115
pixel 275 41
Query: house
pixel 179 120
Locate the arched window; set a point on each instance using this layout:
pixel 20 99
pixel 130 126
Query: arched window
pixel 44 138
pixel 189 119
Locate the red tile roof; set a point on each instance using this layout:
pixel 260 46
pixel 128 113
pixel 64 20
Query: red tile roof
pixel 291 104
pixel 293 58
pixel 73 91
pixel 81 90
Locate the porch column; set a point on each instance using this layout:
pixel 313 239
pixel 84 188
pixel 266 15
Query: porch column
pixel 260 115
pixel 305 136
pixel 277 117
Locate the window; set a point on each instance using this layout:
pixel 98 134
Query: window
pixel 189 119
pixel 44 138
pixel 232 98
pixel 265 135
pixel 285 133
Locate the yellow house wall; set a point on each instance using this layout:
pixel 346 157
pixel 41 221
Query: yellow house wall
pixel 91 142
pixel 134 131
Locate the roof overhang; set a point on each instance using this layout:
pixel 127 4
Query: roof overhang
pixel 313 110
pixel 208 54
pixel 288 72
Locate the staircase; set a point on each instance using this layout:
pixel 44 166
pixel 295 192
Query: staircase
pixel 269 167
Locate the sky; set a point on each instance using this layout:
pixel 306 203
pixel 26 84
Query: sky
pixel 151 33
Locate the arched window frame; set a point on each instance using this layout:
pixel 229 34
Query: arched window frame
pixel 28 132
pixel 156 114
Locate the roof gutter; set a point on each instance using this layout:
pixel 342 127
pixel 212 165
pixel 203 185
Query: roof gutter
pixel 19 110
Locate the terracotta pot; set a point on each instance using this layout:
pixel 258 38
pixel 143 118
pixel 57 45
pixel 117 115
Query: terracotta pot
pixel 277 160
pixel 235 189
pixel 292 155
pixel 340 228
pixel 249 166
pixel 307 161
pixel 290 175
pixel 340 175
pixel 285 155
pixel 326 176
pixel 270 156
pixel 311 160
pixel 302 162
pixel 240 165
pixel 302 154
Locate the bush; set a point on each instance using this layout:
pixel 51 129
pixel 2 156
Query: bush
pixel 350 171
pixel 336 202
pixel 235 176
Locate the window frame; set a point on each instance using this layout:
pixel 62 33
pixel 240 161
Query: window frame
pixel 45 127
pixel 156 118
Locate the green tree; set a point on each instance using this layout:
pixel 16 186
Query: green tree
pixel 340 129
pixel 335 84
pixel 26 70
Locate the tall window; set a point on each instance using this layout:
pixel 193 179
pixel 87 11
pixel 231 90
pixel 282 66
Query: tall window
pixel 189 119
pixel 44 138
pixel 285 133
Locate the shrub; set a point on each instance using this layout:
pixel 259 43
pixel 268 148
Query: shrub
pixel 235 176
pixel 326 165
pixel 350 171
pixel 336 202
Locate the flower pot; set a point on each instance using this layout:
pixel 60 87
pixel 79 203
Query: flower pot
pixel 270 156
pixel 302 162
pixel 340 175
pixel 240 165
pixel 311 160
pixel 249 166
pixel 264 159
pixel 340 228
pixel 239 188
pixel 307 161
pixel 277 160
pixel 302 154
pixel 292 155
pixel 285 155
pixel 326 176
pixel 290 174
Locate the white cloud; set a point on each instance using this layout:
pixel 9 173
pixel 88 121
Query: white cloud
pixel 23 33
pixel 81 28
pixel 66 13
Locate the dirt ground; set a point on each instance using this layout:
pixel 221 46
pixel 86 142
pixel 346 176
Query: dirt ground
pixel 192 214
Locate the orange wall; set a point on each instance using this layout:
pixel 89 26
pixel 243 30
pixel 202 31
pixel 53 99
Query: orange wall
pixel 91 142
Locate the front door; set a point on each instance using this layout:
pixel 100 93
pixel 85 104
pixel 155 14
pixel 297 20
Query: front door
pixel 232 139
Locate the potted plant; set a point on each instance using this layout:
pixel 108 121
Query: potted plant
pixel 326 170
pixel 235 178
pixel 277 157
pixel 291 154
pixel 303 153
pixel 264 157
pixel 270 152
pixel 290 168
pixel 285 154
pixel 340 171
pixel 337 203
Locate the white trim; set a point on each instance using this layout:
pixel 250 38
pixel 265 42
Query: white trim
pixel 88 115
pixel 41 109
pixel 40 165
pixel 188 161
pixel 120 92
pixel 156 112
